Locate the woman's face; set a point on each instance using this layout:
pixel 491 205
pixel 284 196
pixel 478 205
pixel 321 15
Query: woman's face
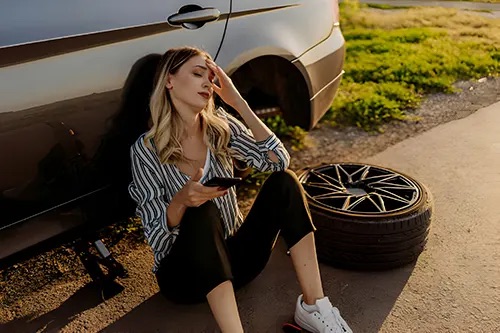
pixel 191 87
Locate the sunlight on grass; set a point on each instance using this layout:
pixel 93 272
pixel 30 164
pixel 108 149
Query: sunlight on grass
pixel 394 58
pixel 487 1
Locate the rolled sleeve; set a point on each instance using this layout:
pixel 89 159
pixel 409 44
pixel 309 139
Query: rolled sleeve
pixel 255 153
pixel 271 143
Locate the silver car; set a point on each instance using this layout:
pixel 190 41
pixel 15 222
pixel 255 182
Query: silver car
pixel 67 69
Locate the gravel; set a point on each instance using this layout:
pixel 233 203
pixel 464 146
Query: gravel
pixel 22 285
pixel 326 144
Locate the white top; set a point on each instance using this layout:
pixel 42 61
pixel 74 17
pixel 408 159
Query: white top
pixel 206 167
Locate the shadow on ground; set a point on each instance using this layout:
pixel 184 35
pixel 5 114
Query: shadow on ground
pixel 364 298
pixel 87 297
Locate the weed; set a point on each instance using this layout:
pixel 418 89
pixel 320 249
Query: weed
pixel 295 134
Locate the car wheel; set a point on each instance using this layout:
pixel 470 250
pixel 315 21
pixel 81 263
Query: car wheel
pixel 367 216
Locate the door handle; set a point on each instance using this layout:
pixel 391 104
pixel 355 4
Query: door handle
pixel 192 18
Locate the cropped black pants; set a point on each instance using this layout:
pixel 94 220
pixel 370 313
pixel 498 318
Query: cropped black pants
pixel 201 258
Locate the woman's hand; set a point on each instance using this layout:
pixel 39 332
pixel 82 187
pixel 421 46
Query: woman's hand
pixel 194 194
pixel 226 89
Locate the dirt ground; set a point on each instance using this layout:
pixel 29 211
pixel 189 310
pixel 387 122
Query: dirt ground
pixel 452 288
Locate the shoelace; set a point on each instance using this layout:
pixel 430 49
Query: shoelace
pixel 332 317
pixel 336 314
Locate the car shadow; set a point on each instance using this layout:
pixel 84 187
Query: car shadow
pixel 87 297
pixel 364 298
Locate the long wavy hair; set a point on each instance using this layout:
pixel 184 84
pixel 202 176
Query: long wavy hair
pixel 167 127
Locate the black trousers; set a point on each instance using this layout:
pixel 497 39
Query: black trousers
pixel 201 258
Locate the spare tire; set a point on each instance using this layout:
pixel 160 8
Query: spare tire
pixel 367 216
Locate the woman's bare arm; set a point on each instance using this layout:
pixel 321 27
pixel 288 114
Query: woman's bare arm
pixel 229 94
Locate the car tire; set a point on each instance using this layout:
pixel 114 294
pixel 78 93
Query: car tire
pixel 356 239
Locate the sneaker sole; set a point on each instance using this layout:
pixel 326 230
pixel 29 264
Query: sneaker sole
pixel 304 325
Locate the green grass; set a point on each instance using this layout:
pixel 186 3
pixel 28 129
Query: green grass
pixel 394 59
pixel 294 134
pixel 488 1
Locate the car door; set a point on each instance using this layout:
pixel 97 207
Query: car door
pixel 62 65
pixel 95 42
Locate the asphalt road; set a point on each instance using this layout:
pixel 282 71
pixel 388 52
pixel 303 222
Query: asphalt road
pixel 453 287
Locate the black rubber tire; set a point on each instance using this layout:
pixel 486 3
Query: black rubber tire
pixel 374 242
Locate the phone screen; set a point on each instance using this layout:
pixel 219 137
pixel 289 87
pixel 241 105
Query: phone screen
pixel 223 182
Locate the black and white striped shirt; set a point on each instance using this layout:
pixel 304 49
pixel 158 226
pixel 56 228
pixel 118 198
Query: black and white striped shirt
pixel 154 184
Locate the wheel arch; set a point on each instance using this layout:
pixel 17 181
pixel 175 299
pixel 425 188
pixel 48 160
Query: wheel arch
pixel 275 73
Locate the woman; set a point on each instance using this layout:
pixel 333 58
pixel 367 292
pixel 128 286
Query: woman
pixel 202 247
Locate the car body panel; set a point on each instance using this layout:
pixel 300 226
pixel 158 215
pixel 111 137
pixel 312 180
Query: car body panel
pixel 56 109
pixel 62 67
pixel 288 29
pixel 105 66
pixel 306 33
pixel 324 66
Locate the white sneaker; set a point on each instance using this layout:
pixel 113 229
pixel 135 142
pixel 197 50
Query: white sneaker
pixel 325 318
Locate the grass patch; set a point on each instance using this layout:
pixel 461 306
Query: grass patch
pixel 487 1
pixel 393 59
pixel 294 134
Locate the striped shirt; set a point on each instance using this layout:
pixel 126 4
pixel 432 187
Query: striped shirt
pixel 154 184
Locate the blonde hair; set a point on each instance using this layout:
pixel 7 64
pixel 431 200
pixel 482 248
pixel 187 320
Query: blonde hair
pixel 167 127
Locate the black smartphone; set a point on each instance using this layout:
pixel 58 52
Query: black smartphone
pixel 223 182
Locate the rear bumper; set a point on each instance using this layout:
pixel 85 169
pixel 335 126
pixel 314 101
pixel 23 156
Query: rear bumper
pixel 324 66
pixel 323 98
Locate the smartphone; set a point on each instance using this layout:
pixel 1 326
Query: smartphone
pixel 223 182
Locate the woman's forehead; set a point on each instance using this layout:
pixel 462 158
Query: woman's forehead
pixel 197 61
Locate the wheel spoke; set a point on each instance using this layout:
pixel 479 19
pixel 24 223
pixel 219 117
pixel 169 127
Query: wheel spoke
pixel 382 203
pixel 349 178
pixel 334 195
pixel 346 202
pixel 326 178
pixel 333 180
pixel 393 196
pixel 365 173
pixel 377 177
pixel 323 186
pixel 393 186
pixel 380 209
pixel 364 168
pixel 357 202
pixel 387 177
pixel 338 173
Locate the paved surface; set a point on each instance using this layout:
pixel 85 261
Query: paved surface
pixel 453 287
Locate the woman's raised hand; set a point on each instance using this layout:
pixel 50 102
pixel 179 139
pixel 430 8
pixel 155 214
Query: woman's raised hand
pixel 194 194
pixel 226 89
